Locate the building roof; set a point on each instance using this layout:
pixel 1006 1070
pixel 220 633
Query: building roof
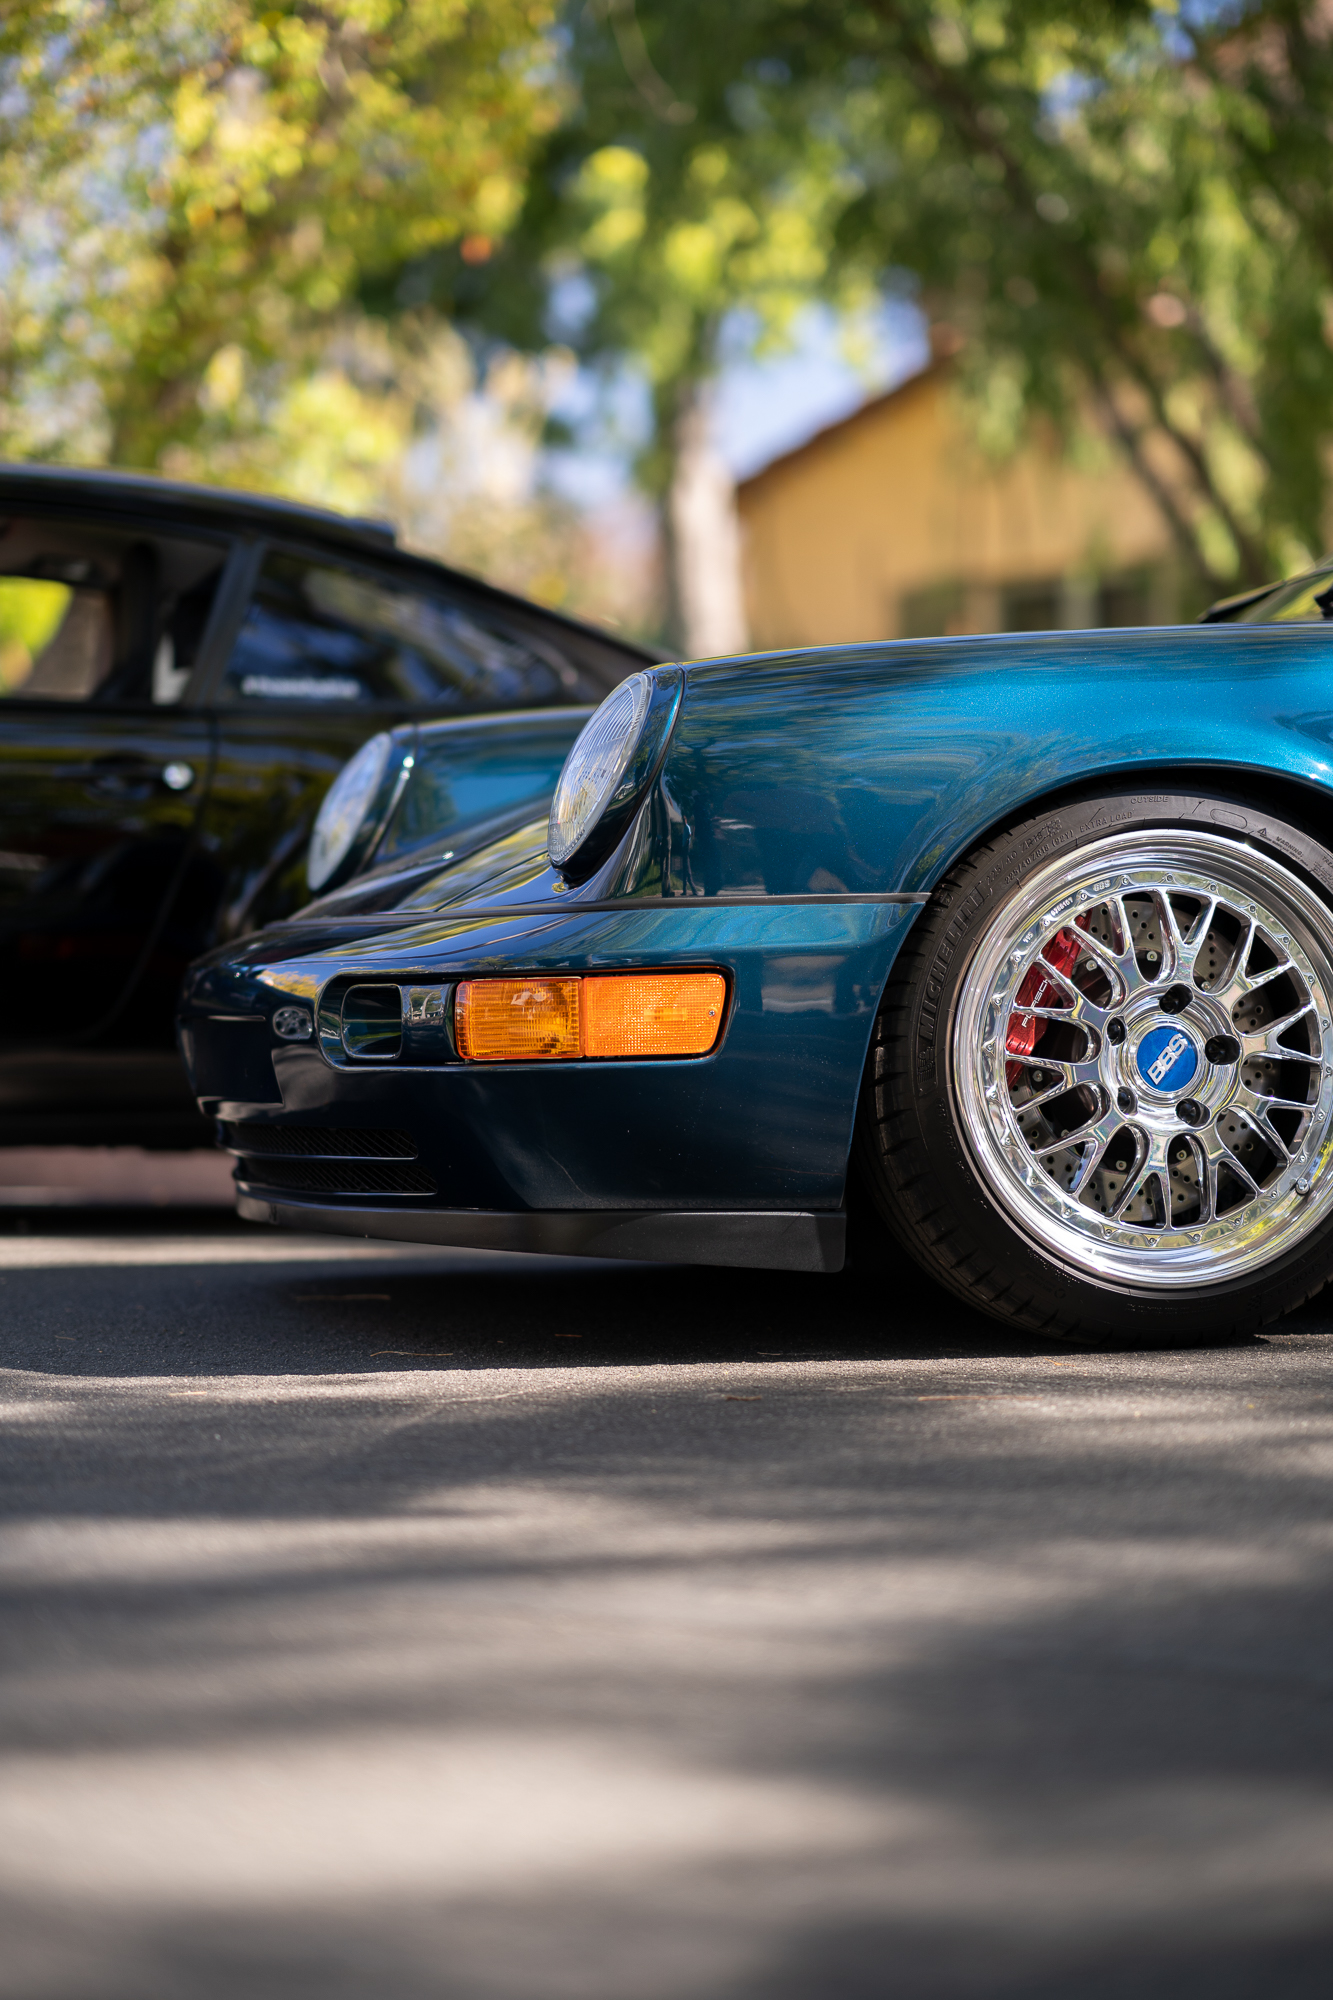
pixel 901 393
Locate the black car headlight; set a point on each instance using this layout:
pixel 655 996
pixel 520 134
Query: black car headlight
pixel 615 758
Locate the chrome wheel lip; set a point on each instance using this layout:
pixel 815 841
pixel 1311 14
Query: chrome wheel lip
pixel 1133 1257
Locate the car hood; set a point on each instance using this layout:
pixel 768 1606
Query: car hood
pixel 490 861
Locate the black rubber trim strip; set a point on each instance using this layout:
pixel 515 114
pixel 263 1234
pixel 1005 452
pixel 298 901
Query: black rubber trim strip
pixel 788 1240
pixel 621 905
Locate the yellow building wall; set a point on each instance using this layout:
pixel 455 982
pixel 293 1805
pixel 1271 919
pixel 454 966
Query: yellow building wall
pixel 898 500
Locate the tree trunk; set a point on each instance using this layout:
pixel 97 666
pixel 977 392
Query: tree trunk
pixel 703 543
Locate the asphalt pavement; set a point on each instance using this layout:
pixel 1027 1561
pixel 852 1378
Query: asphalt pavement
pixel 383 1624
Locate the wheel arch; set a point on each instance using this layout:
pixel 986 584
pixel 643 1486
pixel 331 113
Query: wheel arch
pixel 1287 793
pixel 1282 792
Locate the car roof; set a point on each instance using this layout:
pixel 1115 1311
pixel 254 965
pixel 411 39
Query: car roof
pixel 265 514
pixel 216 504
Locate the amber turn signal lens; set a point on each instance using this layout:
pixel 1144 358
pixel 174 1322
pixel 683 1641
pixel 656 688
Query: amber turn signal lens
pixel 616 1014
pixel 652 1013
pixel 517 1020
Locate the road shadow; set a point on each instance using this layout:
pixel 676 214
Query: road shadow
pixel 938 1695
pixel 464 1628
pixel 200 1292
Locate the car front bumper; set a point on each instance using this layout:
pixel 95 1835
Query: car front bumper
pixel 738 1157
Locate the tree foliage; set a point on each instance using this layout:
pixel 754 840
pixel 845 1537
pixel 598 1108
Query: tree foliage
pixel 1120 214
pixel 189 188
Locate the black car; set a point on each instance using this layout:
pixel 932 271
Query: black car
pixel 183 672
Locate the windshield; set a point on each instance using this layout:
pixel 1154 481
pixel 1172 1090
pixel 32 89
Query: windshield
pixel 1306 600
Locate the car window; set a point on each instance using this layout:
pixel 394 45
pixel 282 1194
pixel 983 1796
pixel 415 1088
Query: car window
pixel 184 616
pixel 91 614
pixel 316 633
pixel 55 639
pixel 1307 600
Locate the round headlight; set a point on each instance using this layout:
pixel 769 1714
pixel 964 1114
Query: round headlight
pixel 345 805
pixel 596 765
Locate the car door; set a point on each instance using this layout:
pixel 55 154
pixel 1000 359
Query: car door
pixel 104 771
pixel 330 650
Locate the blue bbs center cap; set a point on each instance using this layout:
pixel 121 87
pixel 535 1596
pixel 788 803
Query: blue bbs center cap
pixel 1167 1059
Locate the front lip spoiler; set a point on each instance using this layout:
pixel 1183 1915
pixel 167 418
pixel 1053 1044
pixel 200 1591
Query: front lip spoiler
pixel 786 1240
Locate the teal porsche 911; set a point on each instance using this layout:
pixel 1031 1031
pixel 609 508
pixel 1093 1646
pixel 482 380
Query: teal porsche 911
pixel 1012 955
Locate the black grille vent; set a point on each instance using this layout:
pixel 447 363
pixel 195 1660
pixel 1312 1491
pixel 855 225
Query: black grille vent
pixel 319 1142
pixel 335 1177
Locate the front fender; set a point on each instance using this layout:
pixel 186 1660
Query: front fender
pixel 874 768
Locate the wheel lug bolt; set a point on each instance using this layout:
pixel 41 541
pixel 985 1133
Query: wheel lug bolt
pixel 1126 1100
pixel 1222 1049
pixel 1176 999
pixel 1115 1032
pixel 1191 1112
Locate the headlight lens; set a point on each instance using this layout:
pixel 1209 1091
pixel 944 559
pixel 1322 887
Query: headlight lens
pixel 595 766
pixel 345 805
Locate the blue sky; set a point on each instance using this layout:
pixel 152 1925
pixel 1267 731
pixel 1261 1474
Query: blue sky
pixel 767 407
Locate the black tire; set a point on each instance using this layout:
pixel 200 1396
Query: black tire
pixel 913 1166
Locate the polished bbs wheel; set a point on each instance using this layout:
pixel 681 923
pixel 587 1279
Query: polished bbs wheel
pixel 1102 1086
pixel 1140 1059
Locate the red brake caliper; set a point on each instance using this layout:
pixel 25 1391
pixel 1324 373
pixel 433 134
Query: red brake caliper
pixel 1026 1030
